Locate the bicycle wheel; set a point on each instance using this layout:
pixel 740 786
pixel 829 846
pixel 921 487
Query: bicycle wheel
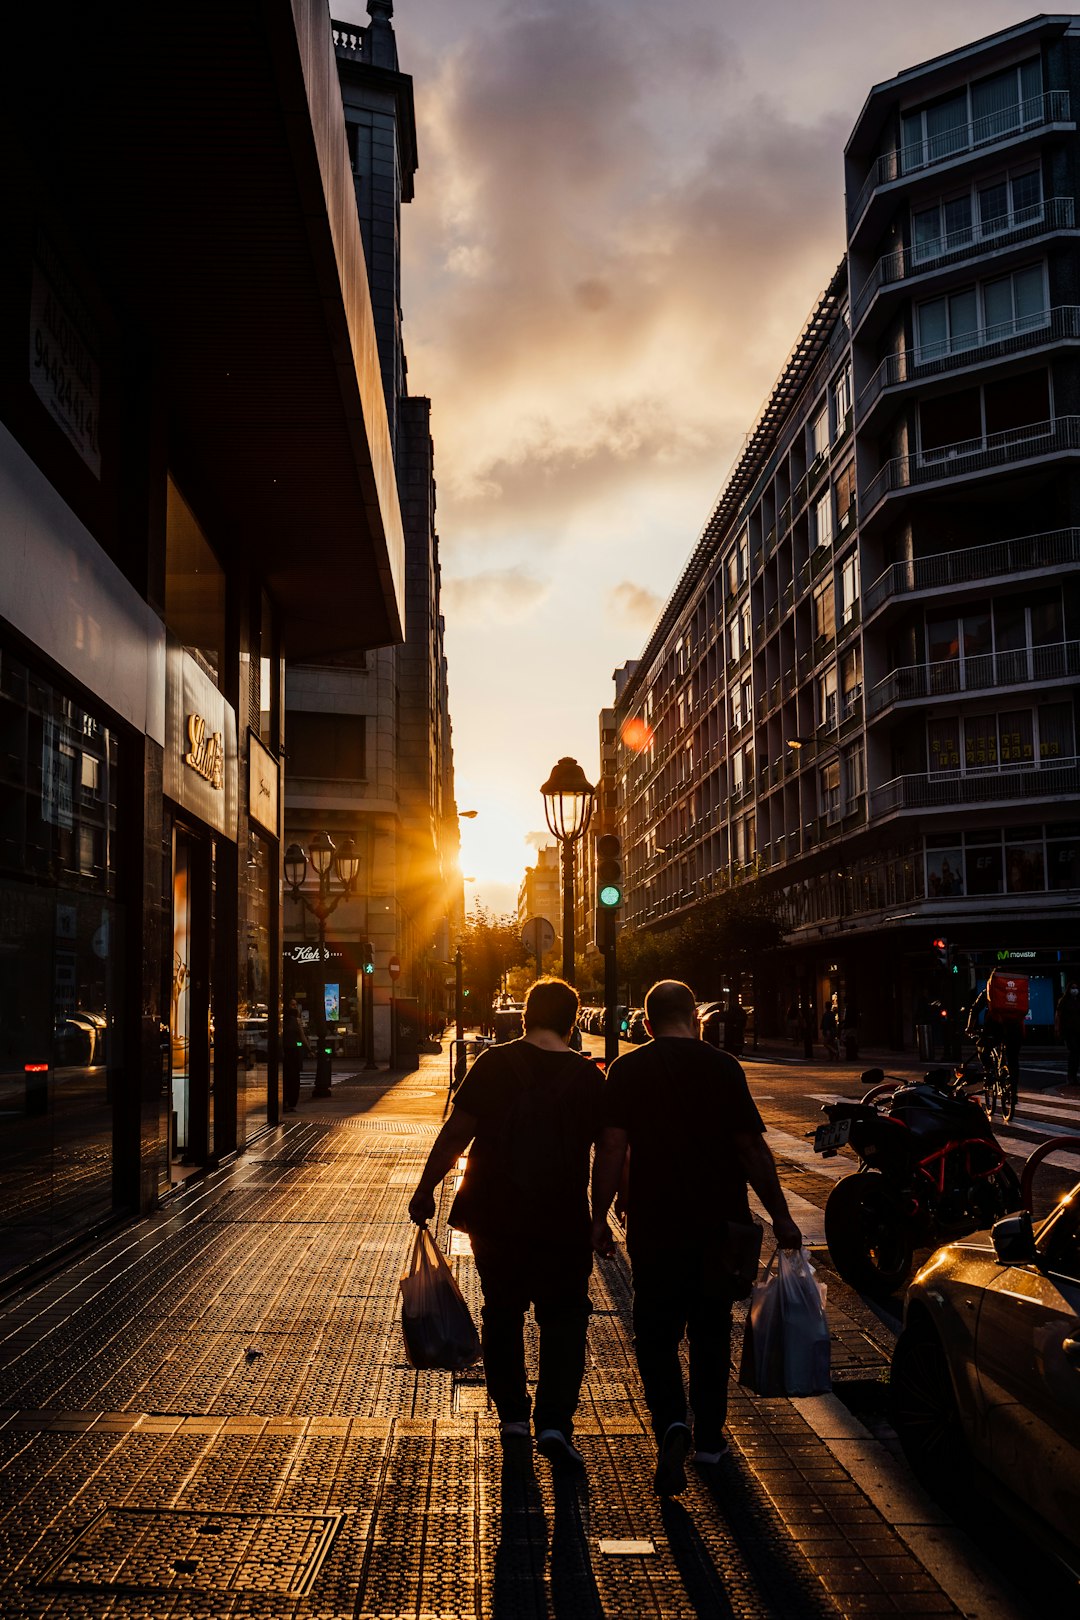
pixel 1007 1084
pixel 995 1096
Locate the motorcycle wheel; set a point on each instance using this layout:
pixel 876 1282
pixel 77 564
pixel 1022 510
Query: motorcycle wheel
pixel 869 1239
pixel 924 1412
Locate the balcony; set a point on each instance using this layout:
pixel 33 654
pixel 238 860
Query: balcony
pixel 1018 336
pixel 1053 214
pixel 1056 548
pixel 1049 779
pixel 984 672
pixel 1052 107
pixel 973 456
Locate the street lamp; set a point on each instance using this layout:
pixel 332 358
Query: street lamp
pixel 568 806
pixel 329 862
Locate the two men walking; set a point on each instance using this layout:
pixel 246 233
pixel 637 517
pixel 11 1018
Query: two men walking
pixel 678 1114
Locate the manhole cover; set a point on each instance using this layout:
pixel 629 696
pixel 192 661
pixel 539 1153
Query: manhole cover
pixel 178 1549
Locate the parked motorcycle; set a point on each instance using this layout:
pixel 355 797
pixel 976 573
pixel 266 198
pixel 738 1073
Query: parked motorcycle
pixel 930 1169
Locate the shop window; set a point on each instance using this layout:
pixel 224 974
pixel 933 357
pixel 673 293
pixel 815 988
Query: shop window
pixel 1063 863
pixel 944 873
pixel 983 871
pixel 1025 870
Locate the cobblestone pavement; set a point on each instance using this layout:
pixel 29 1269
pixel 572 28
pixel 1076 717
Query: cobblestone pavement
pixel 211 1415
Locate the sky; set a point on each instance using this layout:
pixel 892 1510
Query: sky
pixel 624 212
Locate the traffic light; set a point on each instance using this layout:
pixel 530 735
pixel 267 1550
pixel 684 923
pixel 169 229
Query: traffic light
pixel 940 948
pixel 609 888
pixel 368 964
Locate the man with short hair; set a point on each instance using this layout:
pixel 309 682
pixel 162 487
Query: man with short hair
pixel 531 1110
pixel 684 1112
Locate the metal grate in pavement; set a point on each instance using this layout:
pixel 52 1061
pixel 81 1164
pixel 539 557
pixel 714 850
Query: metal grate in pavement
pixel 178 1550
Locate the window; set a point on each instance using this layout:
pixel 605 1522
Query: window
pixel 957 424
pixel 849 587
pixel 842 400
pixel 985 111
pixel 194 587
pixel 819 433
pixel 1012 740
pixel 944 873
pixel 845 495
pixel 733 638
pixel 1004 203
pixel 943 744
pixel 829 789
pixel 826 698
pixel 850 681
pixel 824 610
pixel 823 519
pixel 326 746
pixel 854 764
pixel 745 619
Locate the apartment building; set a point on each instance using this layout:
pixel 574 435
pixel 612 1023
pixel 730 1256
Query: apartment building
pixel 368 731
pixel 863 690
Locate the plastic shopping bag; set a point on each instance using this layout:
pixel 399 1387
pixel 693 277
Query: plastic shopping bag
pixel 786 1343
pixel 435 1321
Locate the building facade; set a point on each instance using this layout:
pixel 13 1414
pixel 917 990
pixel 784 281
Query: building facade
pixel 863 691
pixel 368 731
pixel 194 456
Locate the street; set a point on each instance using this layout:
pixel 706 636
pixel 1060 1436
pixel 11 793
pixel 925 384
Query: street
pixel 211 1413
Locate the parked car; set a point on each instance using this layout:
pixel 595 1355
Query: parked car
pixel 635 1026
pixel 987 1368
pixel 711 1019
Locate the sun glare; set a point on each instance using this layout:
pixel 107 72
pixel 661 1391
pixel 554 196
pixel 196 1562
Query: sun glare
pixel 637 734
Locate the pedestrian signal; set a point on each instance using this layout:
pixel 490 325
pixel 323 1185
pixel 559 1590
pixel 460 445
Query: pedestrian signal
pixel 368 963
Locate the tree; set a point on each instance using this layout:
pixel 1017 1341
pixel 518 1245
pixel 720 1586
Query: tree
pixel 718 943
pixel 490 947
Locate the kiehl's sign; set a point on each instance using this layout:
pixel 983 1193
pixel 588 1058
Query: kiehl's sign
pixel 201 768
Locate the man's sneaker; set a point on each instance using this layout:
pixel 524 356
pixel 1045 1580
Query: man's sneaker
pixel 704 1459
pixel 553 1444
pixel 670 1460
pixel 515 1431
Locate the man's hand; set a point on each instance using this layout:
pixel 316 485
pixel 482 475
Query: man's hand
pixel 602 1240
pixel 787 1234
pixel 421 1207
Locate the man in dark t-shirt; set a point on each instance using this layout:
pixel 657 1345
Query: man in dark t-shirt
pixel 684 1113
pixel 531 1110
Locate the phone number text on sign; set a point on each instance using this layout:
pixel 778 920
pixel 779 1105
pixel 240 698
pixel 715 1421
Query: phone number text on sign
pixel 63 372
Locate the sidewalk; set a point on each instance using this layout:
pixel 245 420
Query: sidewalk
pixel 211 1415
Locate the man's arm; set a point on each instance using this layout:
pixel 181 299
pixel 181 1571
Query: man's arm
pixel 760 1167
pixel 446 1149
pixel 607 1171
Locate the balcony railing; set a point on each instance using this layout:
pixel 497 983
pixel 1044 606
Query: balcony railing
pixel 973 456
pixel 1052 107
pixel 349 37
pixel 1055 549
pixel 989 343
pixel 1053 214
pixel 1050 778
pixel 975 674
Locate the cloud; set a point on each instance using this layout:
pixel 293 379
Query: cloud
pixel 501 595
pixel 539 840
pixel 635 606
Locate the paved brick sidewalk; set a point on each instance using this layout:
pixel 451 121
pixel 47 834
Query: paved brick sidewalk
pixel 211 1415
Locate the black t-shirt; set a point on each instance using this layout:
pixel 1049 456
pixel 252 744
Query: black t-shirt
pixel 538 1114
pixel 681 1102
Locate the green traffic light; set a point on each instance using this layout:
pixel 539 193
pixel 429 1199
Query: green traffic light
pixel 611 895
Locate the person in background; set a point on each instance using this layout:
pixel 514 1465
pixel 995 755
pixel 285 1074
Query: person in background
pixel 830 1029
pixel 684 1113
pixel 1067 1028
pixel 531 1110
pixel 294 1044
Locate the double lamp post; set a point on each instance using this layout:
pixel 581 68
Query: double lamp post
pixel 568 805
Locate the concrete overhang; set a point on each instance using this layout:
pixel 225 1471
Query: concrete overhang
pixel 198 152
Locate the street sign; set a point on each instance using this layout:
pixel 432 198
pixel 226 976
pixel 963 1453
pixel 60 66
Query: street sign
pixel 393 967
pixel 538 936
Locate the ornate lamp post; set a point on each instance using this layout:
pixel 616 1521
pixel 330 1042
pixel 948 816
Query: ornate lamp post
pixel 329 863
pixel 568 806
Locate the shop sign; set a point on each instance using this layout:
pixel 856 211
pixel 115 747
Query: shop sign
pixel 206 756
pixel 262 785
pixel 64 372
pixel 308 955
pixel 201 767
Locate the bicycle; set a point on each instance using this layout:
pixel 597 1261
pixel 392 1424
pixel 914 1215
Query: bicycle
pixel 1000 1080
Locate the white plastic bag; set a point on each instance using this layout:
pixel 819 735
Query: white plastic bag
pixel 436 1323
pixel 786 1343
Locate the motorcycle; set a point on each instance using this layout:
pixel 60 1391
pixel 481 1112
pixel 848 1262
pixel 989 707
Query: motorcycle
pixel 930 1169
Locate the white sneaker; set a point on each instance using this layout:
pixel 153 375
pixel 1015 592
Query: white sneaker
pixel 554 1445
pixel 705 1459
pixel 515 1431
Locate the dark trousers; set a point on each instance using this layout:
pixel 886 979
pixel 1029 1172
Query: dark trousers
pixel 290 1077
pixel 671 1301
pixel 554 1279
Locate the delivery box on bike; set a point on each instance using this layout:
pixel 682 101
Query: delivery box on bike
pixel 1007 995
